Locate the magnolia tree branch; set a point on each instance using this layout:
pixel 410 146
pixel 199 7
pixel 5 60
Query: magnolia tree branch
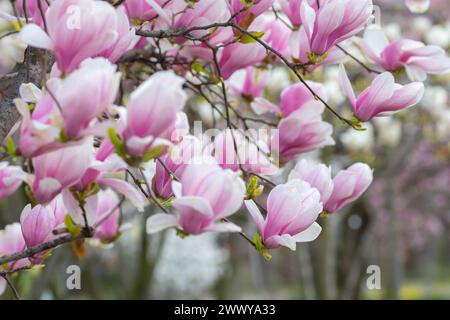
pixel 32 251
pixel 180 32
pixel 33 69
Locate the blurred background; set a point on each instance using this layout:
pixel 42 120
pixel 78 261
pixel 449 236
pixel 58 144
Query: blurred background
pixel 401 225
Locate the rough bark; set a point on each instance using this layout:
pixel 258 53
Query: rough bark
pixel 33 70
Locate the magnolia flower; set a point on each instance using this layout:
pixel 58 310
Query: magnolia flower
pixel 383 97
pixel 349 185
pixel 276 33
pixel 126 38
pixel 302 131
pixel 106 215
pixel 152 110
pixel 248 83
pixel 334 22
pixel 77 29
pixel 11 177
pixel 317 175
pixel 292 210
pixel 300 51
pixel 416 58
pixel 31 10
pixel 206 195
pixel 295 96
pixel 84 95
pixel 141 9
pixel 12 51
pixel 59 169
pixel 37 224
pixel 238 56
pixel 246 17
pixel 107 170
pixel 202 13
pixel 292 10
pixel 176 160
pixel 12 241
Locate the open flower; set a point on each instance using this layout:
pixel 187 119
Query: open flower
pixel 334 22
pixel 383 97
pixel 12 241
pixel 302 131
pixel 416 58
pixel 317 175
pixel 59 169
pixel 77 29
pixel 205 195
pixel 292 210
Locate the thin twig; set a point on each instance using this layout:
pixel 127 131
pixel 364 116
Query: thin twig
pixel 11 286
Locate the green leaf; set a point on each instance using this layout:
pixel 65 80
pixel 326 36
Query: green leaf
pixel 250 38
pixel 247 3
pixel 116 142
pixel 198 67
pixel 71 227
pixel 10 147
pixel 253 183
pixel 153 153
pixel 260 247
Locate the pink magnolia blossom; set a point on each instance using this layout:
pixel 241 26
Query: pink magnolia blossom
pixel 300 51
pixel 317 175
pixel 292 10
pixel 152 110
pixel 293 97
pixel 126 38
pixel 176 160
pixel 37 224
pixel 84 95
pixel 11 177
pixel 107 216
pixel 106 170
pixel 240 55
pixel 77 29
pixel 12 241
pixel 248 83
pixel 60 169
pixel 30 9
pixel 302 131
pixel 276 33
pixel 416 58
pixel 205 196
pixel 383 97
pixel 334 22
pixel 292 210
pixel 349 185
pixel 38 134
pixel 251 153
pixel 141 9
pixel 202 13
pixel 246 17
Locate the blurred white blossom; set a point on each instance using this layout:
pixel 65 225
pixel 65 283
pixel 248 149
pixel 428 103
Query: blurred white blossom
pixel 189 267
